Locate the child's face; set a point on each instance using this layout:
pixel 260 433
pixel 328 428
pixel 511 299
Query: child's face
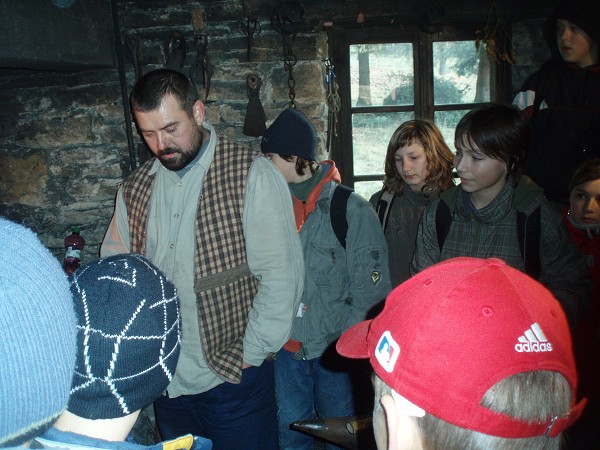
pixel 287 168
pixel 481 176
pixel 411 164
pixel 585 203
pixel 574 44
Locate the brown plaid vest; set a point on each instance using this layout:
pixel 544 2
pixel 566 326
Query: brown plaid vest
pixel 223 284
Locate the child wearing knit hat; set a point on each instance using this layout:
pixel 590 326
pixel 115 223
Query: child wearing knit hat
pixel 37 336
pixel 346 275
pixel 562 99
pixel 469 353
pixel 128 343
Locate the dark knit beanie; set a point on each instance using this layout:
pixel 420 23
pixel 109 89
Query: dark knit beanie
pixel 129 336
pixel 583 13
pixel 291 134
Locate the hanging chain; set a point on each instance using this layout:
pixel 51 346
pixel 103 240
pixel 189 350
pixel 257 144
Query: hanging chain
pixel 332 87
pixel 333 101
pixel 289 61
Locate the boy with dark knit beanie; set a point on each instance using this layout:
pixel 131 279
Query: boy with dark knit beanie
pixel 469 354
pixel 346 275
pixel 128 343
pixel 563 99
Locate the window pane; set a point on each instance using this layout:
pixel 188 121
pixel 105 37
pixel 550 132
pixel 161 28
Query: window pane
pixel 446 122
pixel 367 188
pixel 371 134
pixel 461 74
pixel 381 74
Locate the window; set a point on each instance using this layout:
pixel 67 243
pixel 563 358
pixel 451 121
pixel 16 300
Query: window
pixel 387 76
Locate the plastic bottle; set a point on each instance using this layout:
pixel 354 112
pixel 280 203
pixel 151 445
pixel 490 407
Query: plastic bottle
pixel 74 244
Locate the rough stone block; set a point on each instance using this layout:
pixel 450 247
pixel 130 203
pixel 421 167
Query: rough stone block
pixel 23 179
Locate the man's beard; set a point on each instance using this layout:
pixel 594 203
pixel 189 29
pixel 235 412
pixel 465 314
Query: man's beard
pixel 185 156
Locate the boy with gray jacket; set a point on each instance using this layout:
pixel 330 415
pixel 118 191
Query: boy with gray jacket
pixel 346 260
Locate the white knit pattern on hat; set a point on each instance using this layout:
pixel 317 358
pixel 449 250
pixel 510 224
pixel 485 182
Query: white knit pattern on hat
pixel 129 336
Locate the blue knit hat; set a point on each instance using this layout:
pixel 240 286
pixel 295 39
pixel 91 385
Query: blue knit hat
pixel 37 336
pixel 129 336
pixel 291 134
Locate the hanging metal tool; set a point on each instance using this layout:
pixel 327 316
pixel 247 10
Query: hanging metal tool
pixel 201 70
pixel 288 19
pixel 333 101
pixel 175 49
pixel 121 55
pixel 133 53
pixel 250 28
pixel 254 124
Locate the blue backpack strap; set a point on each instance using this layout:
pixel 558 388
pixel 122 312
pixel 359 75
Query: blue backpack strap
pixel 337 212
pixel 443 219
pixel 528 229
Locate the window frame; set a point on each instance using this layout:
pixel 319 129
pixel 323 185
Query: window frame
pixel 342 39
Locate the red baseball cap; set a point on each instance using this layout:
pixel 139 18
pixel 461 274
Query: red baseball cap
pixel 451 332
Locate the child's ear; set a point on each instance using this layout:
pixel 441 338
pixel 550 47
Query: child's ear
pixel 402 432
pixel 391 420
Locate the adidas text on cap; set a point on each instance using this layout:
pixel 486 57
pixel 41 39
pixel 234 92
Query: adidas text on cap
pixel 451 332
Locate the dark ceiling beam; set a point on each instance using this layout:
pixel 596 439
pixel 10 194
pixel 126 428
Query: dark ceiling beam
pixel 391 11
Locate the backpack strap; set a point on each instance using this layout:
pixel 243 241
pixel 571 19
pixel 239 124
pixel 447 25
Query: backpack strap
pixel 337 212
pixel 384 205
pixel 528 229
pixel 443 219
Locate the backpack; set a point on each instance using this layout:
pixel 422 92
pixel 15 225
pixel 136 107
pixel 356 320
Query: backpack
pixel 530 249
pixel 337 212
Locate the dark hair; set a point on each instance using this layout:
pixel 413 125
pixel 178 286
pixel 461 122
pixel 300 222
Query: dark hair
pixel 498 131
pixel 301 164
pixel 438 155
pixel 588 171
pixel 150 90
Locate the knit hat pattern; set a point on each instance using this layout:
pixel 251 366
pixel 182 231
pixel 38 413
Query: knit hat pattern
pixel 129 336
pixel 291 134
pixel 37 335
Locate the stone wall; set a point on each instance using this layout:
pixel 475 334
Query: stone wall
pixel 531 50
pixel 61 152
pixel 63 141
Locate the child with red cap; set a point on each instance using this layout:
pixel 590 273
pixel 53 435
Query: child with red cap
pixel 469 353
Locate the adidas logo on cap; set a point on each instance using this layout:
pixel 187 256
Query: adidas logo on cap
pixel 533 341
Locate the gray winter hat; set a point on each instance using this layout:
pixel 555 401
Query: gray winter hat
pixel 37 336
